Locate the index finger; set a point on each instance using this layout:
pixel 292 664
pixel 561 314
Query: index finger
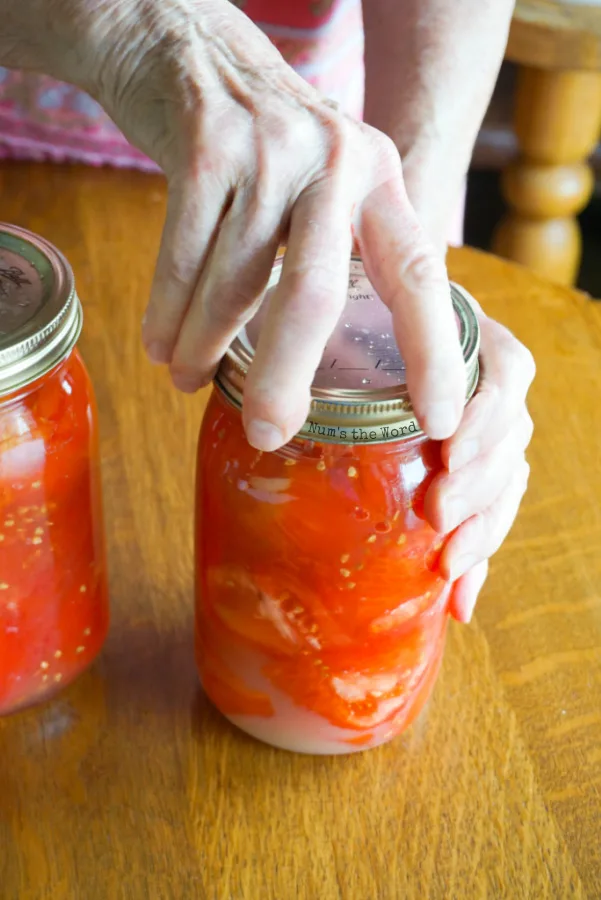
pixel 301 315
pixel 411 279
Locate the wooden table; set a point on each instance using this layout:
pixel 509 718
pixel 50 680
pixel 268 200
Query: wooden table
pixel 557 120
pixel 131 786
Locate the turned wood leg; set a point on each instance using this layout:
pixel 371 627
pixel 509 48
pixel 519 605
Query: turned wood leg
pixel 557 123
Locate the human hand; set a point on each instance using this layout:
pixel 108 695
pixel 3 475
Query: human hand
pixel 477 497
pixel 254 155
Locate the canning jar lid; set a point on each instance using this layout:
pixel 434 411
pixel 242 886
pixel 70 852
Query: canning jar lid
pixel 359 392
pixel 40 314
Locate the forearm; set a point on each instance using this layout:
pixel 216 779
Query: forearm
pixel 28 31
pixel 431 66
pixel 52 36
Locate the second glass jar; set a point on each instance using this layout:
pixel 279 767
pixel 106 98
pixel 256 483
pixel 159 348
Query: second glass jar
pixel 54 608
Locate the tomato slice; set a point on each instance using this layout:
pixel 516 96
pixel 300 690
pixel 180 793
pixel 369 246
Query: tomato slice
pixel 422 690
pixel 272 610
pixel 396 574
pixel 359 688
pixel 346 700
pixel 404 615
pixel 245 610
pixel 320 564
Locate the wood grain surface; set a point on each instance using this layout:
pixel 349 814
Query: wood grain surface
pixel 550 34
pixel 131 786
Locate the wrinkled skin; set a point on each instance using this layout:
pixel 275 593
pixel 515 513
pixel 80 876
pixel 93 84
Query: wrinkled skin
pixel 254 156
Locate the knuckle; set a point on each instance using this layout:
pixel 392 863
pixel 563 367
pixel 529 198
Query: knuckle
pixel 387 152
pixel 276 133
pixel 321 288
pixel 233 307
pixel 338 142
pixel 180 273
pixel 289 134
pixel 423 269
pixel 204 175
pixel 516 356
pixel 280 131
pixel 316 278
pixel 518 359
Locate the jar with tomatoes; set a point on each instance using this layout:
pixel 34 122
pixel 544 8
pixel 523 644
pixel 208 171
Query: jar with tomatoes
pixel 320 609
pixel 53 584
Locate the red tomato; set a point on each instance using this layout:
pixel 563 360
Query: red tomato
pixel 225 689
pixel 53 588
pixel 318 563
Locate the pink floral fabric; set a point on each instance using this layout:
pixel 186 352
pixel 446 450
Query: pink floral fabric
pixel 42 119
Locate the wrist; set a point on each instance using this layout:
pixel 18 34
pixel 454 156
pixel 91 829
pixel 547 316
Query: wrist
pixel 435 180
pixel 435 147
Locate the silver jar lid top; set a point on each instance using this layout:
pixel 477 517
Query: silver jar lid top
pixel 40 313
pixel 359 392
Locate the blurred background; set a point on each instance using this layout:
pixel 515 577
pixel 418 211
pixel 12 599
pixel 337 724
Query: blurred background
pixel 496 149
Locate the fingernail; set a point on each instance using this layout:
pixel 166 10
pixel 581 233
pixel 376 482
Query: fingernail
pixel 158 352
pixel 264 436
pixel 468 592
pixel 442 419
pixel 464 453
pixel 462 565
pixel 455 512
pixel 468 606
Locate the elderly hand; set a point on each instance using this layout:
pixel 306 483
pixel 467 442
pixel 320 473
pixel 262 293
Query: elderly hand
pixel 253 155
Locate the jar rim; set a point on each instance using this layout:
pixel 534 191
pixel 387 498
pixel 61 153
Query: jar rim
pixel 40 314
pixel 343 415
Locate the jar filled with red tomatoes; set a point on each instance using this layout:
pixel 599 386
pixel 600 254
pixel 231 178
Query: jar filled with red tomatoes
pixel 53 584
pixel 320 609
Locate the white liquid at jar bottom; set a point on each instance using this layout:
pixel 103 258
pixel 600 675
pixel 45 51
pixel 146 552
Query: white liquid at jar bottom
pixel 305 732
pixel 296 729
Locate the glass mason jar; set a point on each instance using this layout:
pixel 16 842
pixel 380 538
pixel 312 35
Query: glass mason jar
pixel 320 609
pixel 53 582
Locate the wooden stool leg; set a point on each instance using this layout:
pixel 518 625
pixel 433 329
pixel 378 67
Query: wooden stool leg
pixel 557 123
